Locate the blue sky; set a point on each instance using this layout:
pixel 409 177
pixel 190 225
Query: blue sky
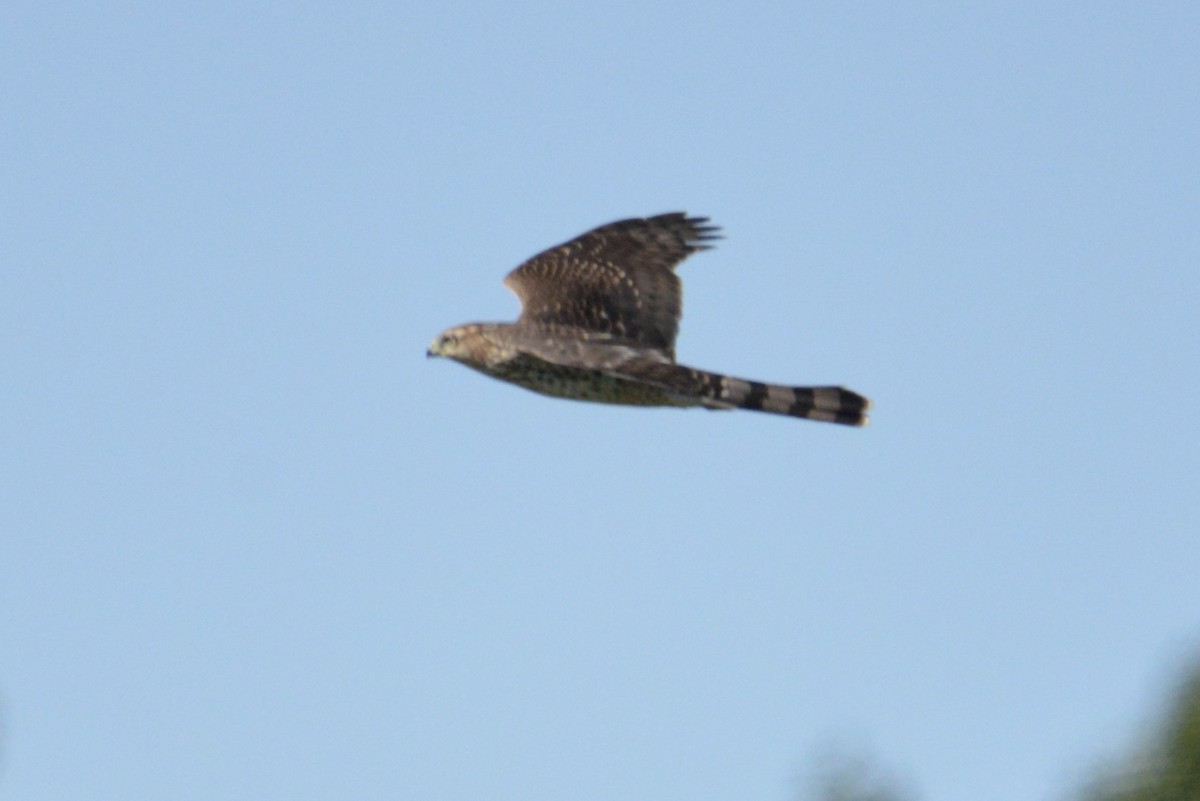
pixel 256 546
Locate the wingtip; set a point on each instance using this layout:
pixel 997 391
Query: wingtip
pixel 700 232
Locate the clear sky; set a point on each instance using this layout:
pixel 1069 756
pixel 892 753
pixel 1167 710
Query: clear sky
pixel 253 545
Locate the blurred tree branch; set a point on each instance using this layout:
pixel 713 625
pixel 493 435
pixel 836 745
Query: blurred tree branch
pixel 1164 768
pixel 1168 767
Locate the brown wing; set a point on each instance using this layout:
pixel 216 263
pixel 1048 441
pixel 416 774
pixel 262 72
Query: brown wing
pixel 617 279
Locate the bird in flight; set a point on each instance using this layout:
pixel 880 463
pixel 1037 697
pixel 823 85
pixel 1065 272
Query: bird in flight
pixel 599 315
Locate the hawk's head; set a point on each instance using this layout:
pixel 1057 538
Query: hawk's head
pixel 469 344
pixel 451 343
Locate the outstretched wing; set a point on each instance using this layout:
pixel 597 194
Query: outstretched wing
pixel 618 279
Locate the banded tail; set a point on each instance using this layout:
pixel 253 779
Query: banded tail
pixel 716 391
pixel 826 404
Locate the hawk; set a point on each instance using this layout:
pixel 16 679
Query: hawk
pixel 599 315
